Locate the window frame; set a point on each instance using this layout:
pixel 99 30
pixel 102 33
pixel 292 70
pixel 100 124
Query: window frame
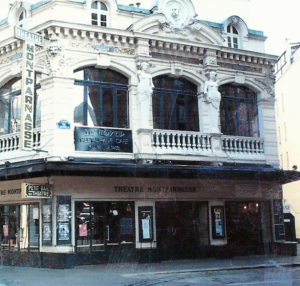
pixel 233 40
pixel 174 95
pixel 11 94
pixel 114 86
pixel 99 13
pixel 249 100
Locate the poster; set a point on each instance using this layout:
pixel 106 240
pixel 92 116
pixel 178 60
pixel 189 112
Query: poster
pixel 35 213
pixel 47 231
pixel 146 228
pixel 63 212
pixel 46 213
pixel 63 231
pixel 83 229
pixel 5 230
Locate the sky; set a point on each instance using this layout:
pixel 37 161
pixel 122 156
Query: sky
pixel 276 18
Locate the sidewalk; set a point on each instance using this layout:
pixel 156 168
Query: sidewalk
pixel 124 274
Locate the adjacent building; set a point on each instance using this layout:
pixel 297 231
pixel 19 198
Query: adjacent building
pixel 287 69
pixel 133 135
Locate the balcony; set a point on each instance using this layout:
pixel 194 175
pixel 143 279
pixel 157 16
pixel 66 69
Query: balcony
pixel 187 145
pixel 9 143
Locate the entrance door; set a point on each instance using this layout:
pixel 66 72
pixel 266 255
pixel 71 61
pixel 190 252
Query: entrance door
pixel 103 225
pixel 244 227
pixel 178 226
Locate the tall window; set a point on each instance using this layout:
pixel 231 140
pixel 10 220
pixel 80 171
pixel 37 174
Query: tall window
pixel 10 106
pixel 232 37
pixel 175 104
pixel 21 18
pixel 238 111
pixel 99 14
pixel 105 98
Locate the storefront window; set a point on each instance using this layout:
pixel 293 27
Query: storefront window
pixel 101 225
pixel 19 226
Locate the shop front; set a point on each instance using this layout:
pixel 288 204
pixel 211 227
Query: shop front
pixel 71 220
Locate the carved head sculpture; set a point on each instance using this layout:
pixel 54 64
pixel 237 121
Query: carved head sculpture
pixel 144 66
pixel 175 11
pixel 212 76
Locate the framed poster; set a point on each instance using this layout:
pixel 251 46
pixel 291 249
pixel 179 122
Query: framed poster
pixel 47 222
pixel 63 220
pixel 46 213
pixel 47 232
pixel 218 223
pixel 145 224
pixel 63 212
pixel 63 231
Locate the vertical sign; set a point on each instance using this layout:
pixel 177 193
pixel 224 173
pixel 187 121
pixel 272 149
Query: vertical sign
pixel 27 100
pixel 30 40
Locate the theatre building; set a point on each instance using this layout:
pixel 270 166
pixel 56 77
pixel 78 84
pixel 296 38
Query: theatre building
pixel 135 135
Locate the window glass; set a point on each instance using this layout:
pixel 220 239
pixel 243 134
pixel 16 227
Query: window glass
pixel 94 5
pixel 103 6
pixel 10 106
pixel 105 99
pixel 238 111
pixel 175 104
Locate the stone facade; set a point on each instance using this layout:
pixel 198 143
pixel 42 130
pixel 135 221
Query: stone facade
pixel 139 161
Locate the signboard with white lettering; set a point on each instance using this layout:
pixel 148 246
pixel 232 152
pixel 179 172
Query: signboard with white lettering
pixel 27 101
pixel 28 36
pixel 30 40
pixel 103 139
pixel 36 191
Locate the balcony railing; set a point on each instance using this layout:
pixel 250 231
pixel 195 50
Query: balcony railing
pixel 242 145
pixel 180 142
pixel 10 142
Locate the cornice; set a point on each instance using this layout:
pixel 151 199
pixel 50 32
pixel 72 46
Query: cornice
pixel 159 44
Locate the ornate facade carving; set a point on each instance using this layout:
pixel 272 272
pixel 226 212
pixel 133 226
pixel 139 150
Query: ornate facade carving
pixel 212 97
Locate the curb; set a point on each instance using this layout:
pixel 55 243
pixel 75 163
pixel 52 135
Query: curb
pixel 212 269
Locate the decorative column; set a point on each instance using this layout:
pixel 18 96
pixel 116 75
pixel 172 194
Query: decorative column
pixel 144 90
pixel 57 110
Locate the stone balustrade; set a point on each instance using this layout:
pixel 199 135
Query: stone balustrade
pixel 174 141
pixel 10 142
pixel 242 145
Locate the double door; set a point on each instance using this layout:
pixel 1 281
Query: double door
pixel 104 225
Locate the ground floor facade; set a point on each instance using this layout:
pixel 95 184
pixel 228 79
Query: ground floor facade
pixel 64 220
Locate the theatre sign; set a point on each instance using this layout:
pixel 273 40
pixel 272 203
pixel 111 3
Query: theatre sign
pixel 28 75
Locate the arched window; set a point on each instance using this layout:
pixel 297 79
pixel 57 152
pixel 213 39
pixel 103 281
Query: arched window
pixel 232 37
pixel 21 18
pixel 104 100
pixel 239 116
pixel 10 106
pixel 175 104
pixel 99 14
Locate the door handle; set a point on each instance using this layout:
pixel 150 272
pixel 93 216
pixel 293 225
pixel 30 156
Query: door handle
pixel 107 232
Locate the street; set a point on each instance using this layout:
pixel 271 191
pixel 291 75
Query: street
pixel 127 275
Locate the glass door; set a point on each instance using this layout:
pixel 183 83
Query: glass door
pixel 90 226
pixel 101 225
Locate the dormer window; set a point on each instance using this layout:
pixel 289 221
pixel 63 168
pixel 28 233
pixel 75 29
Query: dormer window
pixel 99 14
pixel 232 37
pixel 21 18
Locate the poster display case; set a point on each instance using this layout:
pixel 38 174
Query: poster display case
pixel 145 223
pixel 63 219
pixel 218 223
